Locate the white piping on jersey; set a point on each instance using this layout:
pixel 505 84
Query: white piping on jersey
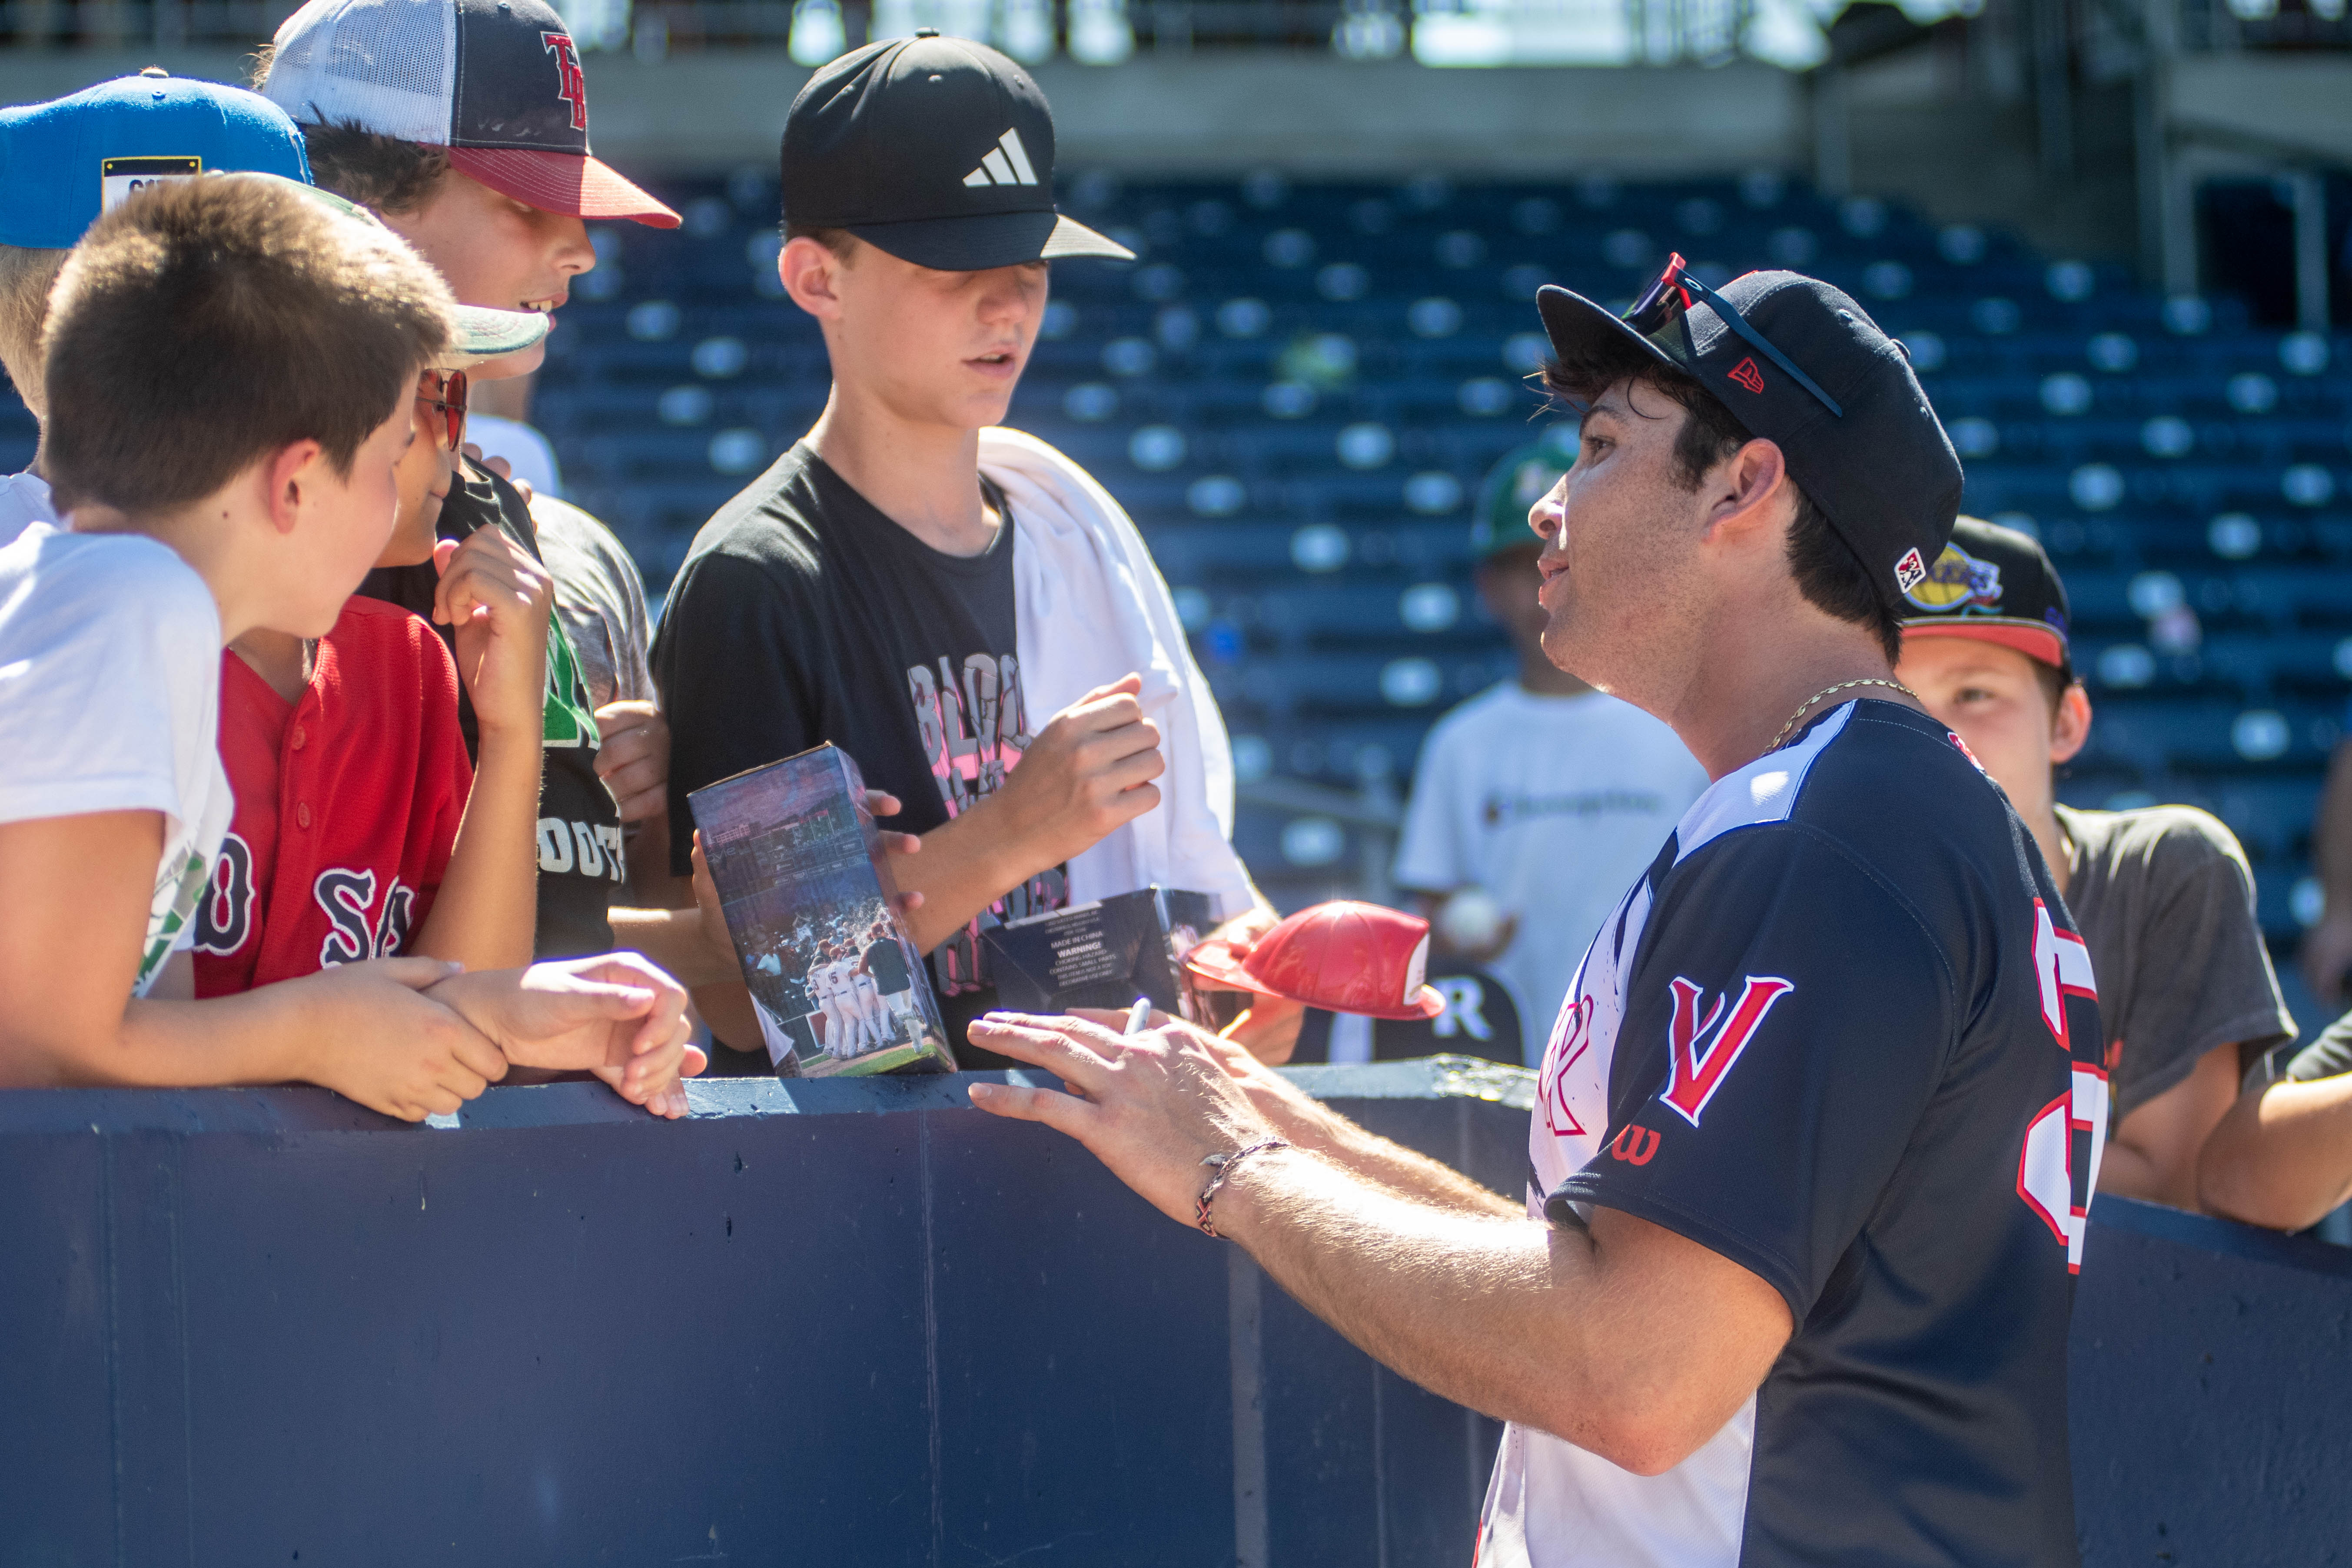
pixel 1766 790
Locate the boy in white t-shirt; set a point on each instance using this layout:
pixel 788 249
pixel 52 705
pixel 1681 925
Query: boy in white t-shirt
pixel 229 373
pixel 1546 795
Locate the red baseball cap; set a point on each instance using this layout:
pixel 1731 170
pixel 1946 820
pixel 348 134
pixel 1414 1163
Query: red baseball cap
pixel 1343 957
pixel 499 85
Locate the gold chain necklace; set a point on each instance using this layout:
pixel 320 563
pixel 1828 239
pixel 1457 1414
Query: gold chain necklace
pixel 1831 690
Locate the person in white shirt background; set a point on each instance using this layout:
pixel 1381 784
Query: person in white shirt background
pixel 1537 803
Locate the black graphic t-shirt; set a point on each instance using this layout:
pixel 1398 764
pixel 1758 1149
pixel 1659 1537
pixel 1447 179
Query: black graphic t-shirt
pixel 803 616
pixel 580 854
pixel 1844 1034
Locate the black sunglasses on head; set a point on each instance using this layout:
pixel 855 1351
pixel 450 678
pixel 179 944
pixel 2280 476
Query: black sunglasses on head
pixel 1670 296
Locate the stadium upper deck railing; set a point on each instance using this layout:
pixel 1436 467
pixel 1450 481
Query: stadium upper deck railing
pixel 1108 32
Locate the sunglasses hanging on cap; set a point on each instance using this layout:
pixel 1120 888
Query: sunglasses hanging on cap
pixel 1669 298
pixel 443 392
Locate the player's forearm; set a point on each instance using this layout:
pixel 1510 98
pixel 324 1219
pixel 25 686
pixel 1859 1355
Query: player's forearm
pixel 675 940
pixel 2283 1157
pixel 1478 1309
pixel 486 912
pixel 1314 1126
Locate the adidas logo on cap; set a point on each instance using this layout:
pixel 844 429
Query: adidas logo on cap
pixel 1007 163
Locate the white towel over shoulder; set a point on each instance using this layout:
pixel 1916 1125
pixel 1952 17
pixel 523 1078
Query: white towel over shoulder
pixel 1090 606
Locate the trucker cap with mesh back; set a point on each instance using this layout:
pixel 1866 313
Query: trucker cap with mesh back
pixel 497 82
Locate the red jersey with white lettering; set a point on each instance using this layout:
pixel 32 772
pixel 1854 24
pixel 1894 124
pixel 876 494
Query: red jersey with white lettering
pixel 1843 1034
pixel 348 802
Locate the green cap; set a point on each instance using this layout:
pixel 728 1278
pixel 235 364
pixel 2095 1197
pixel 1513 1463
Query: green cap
pixel 1514 485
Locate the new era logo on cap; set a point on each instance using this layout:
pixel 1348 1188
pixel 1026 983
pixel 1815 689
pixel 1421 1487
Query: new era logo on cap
pixel 1746 374
pixel 1007 163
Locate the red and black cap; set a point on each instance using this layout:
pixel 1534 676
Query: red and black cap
pixel 497 82
pixel 1994 584
pixel 939 151
pixel 1800 365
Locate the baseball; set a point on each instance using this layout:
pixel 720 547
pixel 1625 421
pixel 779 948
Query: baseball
pixel 1470 920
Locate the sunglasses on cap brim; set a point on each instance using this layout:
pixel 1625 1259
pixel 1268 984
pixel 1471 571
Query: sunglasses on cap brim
pixel 1671 298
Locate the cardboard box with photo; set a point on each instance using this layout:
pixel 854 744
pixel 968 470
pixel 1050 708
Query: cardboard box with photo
pixel 813 909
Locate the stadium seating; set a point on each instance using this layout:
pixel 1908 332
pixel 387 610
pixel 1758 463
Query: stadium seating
pixel 1298 387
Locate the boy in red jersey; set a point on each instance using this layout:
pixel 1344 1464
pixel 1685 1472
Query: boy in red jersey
pixel 360 830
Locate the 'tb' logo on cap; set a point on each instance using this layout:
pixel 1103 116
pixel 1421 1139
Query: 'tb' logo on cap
pixel 571 83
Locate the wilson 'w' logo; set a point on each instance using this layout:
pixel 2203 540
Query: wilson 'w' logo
pixel 1704 1052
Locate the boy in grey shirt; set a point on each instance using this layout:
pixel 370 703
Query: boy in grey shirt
pixel 2162 895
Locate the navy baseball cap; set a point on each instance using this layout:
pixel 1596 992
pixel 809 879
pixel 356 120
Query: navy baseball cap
pixel 1993 584
pixel 64 163
pixel 1800 365
pixel 1514 486
pixel 938 150
pixel 497 82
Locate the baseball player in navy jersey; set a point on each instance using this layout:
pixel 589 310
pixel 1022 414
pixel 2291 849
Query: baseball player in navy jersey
pixel 1819 1121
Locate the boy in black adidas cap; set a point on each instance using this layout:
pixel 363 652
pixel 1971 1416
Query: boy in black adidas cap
pixel 2162 895
pixel 959 607
pixel 464 126
pixel 1818 1123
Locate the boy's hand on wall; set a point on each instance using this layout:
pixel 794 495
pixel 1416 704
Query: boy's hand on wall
pixel 499 599
pixel 617 1016
pixel 393 1047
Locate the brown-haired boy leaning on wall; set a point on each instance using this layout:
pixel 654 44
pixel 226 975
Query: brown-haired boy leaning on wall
pixel 229 377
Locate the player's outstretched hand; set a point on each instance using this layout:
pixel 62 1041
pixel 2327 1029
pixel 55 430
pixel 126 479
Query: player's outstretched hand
pixel 634 761
pixel 386 1043
pixel 499 600
pixel 1293 1113
pixel 616 1015
pixel 1150 1105
pixel 1087 772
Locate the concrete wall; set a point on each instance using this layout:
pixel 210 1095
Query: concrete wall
pixel 846 1322
pixel 857 1322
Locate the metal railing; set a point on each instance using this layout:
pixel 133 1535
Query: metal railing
pixel 1093 32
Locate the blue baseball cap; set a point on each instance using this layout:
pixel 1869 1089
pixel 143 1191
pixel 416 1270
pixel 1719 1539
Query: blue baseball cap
pixel 65 162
